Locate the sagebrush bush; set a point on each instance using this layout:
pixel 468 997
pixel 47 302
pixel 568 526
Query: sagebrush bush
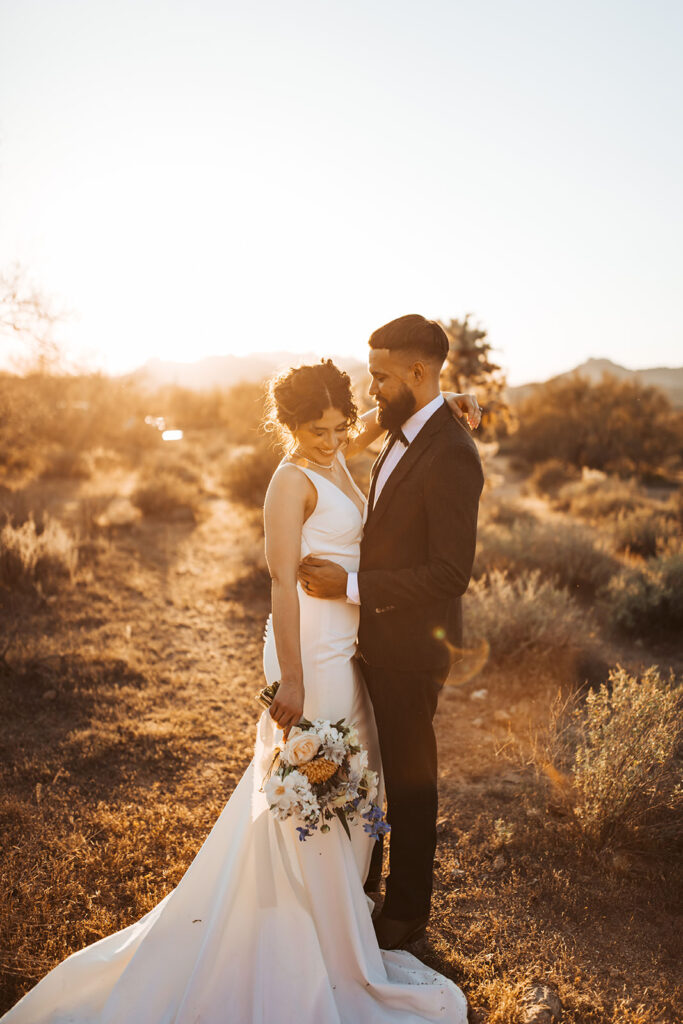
pixel 35 559
pixel 643 532
pixel 549 476
pixel 504 512
pixel 562 551
pixel 68 464
pixel 17 507
pixel 514 615
pixel 247 474
pixel 647 602
pixel 166 495
pixel 615 760
pixel 596 498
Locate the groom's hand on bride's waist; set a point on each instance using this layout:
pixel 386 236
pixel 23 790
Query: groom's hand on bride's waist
pixel 320 578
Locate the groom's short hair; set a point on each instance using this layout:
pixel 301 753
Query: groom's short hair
pixel 413 334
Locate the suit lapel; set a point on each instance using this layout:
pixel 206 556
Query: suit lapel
pixel 407 462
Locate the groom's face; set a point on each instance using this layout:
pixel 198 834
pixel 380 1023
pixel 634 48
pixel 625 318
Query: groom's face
pixel 391 374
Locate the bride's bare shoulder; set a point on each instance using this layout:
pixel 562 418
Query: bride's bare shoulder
pixel 288 485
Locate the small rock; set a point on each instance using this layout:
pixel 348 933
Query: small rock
pixel 501 715
pixel 49 695
pixel 540 1005
pixel 441 825
pixel 479 694
pixel 499 863
pixel 477 722
pixel 457 873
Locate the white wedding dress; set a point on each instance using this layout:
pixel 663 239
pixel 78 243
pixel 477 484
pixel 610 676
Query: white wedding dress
pixel 264 928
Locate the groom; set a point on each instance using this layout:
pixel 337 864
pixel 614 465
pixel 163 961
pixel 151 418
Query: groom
pixel 415 564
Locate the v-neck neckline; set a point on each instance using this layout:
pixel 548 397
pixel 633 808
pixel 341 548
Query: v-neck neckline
pixel 360 511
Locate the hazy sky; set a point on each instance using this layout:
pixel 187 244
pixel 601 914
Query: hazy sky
pixel 202 177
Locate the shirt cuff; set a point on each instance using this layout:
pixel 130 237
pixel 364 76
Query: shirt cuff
pixel 352 592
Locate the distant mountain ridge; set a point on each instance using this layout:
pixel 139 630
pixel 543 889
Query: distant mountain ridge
pixel 229 370
pixel 226 371
pixel 668 379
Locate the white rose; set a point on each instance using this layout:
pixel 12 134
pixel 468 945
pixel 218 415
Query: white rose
pixel 301 747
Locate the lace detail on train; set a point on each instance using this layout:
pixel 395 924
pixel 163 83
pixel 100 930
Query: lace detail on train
pixel 263 927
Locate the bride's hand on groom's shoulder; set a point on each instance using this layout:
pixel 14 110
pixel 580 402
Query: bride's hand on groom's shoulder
pixel 321 578
pixel 464 407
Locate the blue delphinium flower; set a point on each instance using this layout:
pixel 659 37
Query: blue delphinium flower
pixel 375 825
pixel 303 833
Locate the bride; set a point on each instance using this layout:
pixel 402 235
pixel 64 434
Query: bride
pixel 264 927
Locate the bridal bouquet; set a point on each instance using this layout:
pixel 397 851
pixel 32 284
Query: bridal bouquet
pixel 321 772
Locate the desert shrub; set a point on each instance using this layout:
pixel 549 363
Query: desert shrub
pixel 675 505
pixel 595 498
pixel 247 474
pixel 561 551
pixel 33 559
pixel 525 613
pixel 69 464
pixel 237 410
pixel 647 602
pixel 17 507
pixel 548 477
pixel 166 496
pixel 180 464
pixel 504 512
pixel 615 760
pixel 643 532
pixel 609 423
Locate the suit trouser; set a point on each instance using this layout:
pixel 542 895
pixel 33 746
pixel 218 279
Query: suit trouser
pixel 404 704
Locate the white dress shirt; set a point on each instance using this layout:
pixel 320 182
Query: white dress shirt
pixel 411 428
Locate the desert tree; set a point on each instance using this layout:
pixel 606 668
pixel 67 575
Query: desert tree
pixel 27 317
pixel 470 367
pixel 619 426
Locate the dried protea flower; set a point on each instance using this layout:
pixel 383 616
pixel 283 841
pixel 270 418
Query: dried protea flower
pixel 319 770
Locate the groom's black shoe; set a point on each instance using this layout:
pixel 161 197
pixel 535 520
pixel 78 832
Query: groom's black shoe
pixel 393 934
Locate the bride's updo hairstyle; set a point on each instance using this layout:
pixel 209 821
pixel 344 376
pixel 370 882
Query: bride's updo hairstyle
pixel 302 394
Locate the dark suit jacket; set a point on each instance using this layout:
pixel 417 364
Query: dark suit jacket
pixel 418 549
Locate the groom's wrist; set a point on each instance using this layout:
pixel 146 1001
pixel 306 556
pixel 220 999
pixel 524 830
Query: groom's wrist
pixel 352 591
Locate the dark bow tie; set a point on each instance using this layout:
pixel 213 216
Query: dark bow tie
pixel 398 435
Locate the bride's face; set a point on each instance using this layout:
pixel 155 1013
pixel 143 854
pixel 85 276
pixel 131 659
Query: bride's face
pixel 319 439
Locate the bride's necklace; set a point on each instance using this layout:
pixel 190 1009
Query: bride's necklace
pixel 314 463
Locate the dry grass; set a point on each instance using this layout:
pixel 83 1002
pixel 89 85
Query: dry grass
pixel 599 497
pixel 517 900
pixel 127 717
pixel 248 472
pixel 515 615
pixel 169 488
pixel 560 550
pixel 612 757
pixel 548 477
pixel 33 559
pixel 643 532
pixel 647 601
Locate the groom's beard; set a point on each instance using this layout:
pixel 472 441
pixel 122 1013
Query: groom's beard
pixel 393 415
